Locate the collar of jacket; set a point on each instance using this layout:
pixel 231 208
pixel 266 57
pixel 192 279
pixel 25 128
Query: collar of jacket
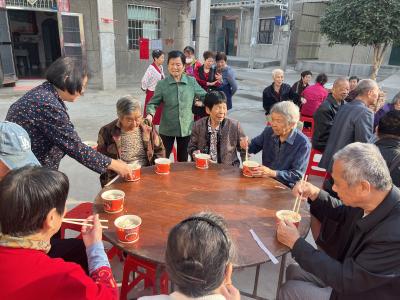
pixel 171 80
pixel 333 101
pixel 290 139
pixel 389 140
pixel 52 89
pixel 381 211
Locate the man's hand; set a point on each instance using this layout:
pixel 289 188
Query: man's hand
pixel 198 103
pixel 263 171
pixel 305 190
pixel 92 234
pixel 287 233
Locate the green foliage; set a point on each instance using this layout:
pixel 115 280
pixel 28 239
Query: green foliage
pixel 365 22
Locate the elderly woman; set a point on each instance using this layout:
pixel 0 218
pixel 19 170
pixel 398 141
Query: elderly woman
pixel 178 92
pixel 285 149
pixel 278 91
pixel 43 114
pixel 36 197
pixel 394 105
pixel 129 137
pixel 199 260
pixel 314 95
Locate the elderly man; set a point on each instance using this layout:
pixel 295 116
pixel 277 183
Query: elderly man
pixel 285 149
pixel 366 264
pixel 354 122
pixel 278 91
pixel 389 143
pixel 325 114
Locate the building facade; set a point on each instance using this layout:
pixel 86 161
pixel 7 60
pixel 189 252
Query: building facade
pixel 104 34
pixel 231 25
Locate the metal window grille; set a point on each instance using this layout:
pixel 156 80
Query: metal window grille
pixel 266 31
pixel 39 4
pixel 143 22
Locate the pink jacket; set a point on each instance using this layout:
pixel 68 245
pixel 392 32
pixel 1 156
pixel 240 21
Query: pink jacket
pixel 315 95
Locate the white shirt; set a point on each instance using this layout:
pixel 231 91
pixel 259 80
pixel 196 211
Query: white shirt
pixel 151 77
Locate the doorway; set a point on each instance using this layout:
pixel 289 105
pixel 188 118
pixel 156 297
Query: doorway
pixel 227 36
pixel 395 56
pixel 35 41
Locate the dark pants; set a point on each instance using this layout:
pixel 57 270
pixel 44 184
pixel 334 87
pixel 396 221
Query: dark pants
pixel 70 250
pixel 181 149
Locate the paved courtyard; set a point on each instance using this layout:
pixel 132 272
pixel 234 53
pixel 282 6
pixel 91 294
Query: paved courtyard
pixel 97 108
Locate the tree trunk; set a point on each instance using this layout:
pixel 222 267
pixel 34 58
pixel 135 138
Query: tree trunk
pixel 379 52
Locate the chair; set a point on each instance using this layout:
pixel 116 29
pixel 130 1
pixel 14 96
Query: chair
pixel 143 271
pixel 82 211
pixel 174 153
pixel 308 131
pixel 312 168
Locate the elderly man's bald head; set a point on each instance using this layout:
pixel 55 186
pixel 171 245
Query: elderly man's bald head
pixel 340 89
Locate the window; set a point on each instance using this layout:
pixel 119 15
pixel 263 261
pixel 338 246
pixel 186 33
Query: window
pixel 143 21
pixel 266 31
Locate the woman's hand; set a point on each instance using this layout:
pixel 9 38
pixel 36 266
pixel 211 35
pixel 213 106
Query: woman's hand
pixel 150 118
pixel 218 77
pixel 121 168
pixel 244 142
pixel 92 234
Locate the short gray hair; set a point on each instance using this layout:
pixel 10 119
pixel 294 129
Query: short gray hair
pixel 277 71
pixel 127 105
pixel 340 80
pixel 287 109
pixel 364 86
pixel 364 162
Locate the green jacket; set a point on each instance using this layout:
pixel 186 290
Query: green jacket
pixel 178 97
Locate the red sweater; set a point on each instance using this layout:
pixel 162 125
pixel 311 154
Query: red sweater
pixel 31 274
pixel 315 95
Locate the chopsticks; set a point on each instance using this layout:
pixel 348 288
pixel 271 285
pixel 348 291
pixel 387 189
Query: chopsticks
pixel 83 222
pixel 112 181
pixel 297 202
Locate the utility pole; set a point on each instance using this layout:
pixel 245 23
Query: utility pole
pixel 254 32
pixel 286 35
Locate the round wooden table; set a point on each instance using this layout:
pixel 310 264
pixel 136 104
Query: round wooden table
pixel 164 200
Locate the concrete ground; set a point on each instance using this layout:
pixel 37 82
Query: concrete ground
pixel 97 108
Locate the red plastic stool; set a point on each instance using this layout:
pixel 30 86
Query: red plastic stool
pixel 82 211
pixel 143 270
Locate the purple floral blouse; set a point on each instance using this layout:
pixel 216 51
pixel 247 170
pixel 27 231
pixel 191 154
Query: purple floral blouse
pixel 43 114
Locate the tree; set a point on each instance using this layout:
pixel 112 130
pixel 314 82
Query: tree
pixel 373 23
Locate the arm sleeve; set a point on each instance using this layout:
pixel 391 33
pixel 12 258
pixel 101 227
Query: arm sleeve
pixel 297 167
pixel 232 81
pixel 267 101
pixel 61 133
pixel 199 91
pixel 240 135
pixel 257 143
pixel 350 277
pixel 329 207
pixel 97 258
pixel 159 149
pixel 364 127
pixel 198 79
pixel 156 100
pixel 145 79
pixel 194 140
pixel 101 143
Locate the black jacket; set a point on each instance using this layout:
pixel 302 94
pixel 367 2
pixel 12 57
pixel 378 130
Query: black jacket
pixel 367 262
pixel 323 121
pixel 270 97
pixel 390 150
pixel 297 90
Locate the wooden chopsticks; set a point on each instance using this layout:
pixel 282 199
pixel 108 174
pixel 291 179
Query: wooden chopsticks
pixel 83 222
pixel 297 202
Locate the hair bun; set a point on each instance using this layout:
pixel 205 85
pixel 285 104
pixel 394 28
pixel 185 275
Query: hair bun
pixel 190 265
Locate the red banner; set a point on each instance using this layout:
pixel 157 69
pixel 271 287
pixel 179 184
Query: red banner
pixel 63 5
pixel 144 48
